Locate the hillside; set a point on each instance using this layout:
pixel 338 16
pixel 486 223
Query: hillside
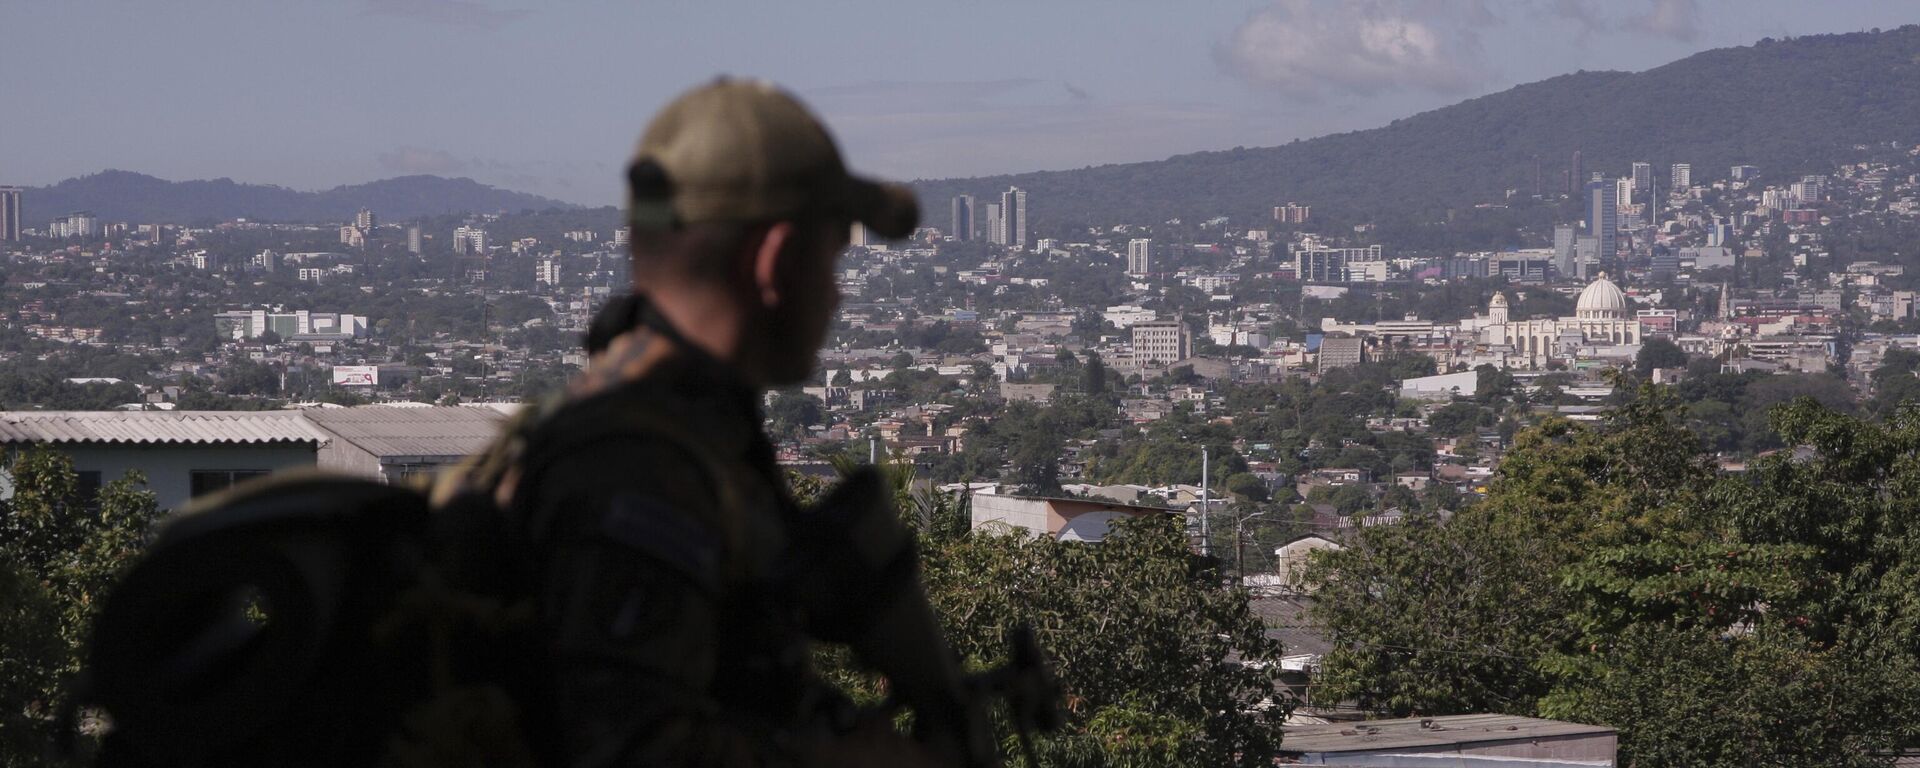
pixel 127 196
pixel 1786 106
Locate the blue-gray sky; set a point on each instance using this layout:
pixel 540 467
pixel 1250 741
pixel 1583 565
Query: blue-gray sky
pixel 547 96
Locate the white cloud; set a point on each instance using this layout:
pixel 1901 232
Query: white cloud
pixel 1311 49
pixel 1676 19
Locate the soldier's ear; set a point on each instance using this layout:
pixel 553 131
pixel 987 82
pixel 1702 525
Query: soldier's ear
pixel 770 266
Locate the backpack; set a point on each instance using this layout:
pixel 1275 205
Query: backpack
pixel 315 619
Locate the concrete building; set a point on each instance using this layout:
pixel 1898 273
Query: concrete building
pixel 1140 256
pixel 1161 341
pixel 1603 218
pixel 182 454
pixel 962 218
pixel 413 240
pixel 1601 318
pixel 1316 264
pixel 1292 213
pixel 395 443
pixel 1087 520
pixel 1013 216
pixel 1340 352
pixel 1563 250
pixel 187 454
pixel 9 214
pixel 1642 177
pixel 1682 177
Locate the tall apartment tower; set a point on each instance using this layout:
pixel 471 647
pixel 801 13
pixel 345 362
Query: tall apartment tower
pixel 962 218
pixel 413 240
pixel 1682 177
pixel 1642 177
pixel 1013 215
pixel 9 214
pixel 996 225
pixel 1603 217
pixel 1140 256
pixel 1563 250
pixel 1575 175
pixel 364 220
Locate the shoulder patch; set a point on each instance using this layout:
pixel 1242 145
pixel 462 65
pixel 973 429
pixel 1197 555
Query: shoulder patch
pixel 666 534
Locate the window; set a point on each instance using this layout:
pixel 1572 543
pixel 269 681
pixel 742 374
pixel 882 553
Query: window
pixel 205 481
pixel 86 488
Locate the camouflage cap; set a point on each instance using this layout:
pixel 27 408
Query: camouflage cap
pixel 745 150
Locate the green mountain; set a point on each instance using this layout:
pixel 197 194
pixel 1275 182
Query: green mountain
pixel 134 197
pixel 1788 106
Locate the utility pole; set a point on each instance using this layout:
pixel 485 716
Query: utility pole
pixel 1206 524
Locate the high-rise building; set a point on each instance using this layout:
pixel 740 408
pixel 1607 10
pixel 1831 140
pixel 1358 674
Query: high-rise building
pixel 1810 189
pixel 364 220
pixel 1563 250
pixel 962 218
pixel 413 240
pixel 9 214
pixel 861 237
pixel 1140 256
pixel 547 271
pixel 1642 177
pixel 1603 216
pixel 1744 173
pixel 996 225
pixel 1292 213
pixel 470 240
pixel 1314 264
pixel 1575 175
pixel 352 236
pixel 1623 193
pixel 1682 177
pixel 1013 215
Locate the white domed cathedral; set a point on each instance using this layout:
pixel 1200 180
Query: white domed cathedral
pixel 1601 318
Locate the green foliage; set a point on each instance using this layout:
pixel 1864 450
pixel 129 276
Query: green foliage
pixel 1611 577
pixel 59 553
pixel 1658 352
pixel 1140 641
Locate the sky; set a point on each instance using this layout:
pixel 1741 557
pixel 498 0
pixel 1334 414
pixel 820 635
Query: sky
pixel 549 96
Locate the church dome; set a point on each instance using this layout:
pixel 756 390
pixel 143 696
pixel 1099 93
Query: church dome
pixel 1499 300
pixel 1601 300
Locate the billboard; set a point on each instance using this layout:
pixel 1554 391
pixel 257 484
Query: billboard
pixel 356 375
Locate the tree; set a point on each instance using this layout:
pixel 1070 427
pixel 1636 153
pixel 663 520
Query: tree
pixel 1141 642
pixel 59 555
pixel 1094 375
pixel 1248 486
pixel 793 412
pixel 1658 352
pixel 1610 576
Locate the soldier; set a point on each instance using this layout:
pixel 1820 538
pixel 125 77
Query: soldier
pixel 679 583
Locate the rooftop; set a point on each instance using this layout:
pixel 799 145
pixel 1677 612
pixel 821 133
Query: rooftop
pixel 1426 733
pixel 158 427
pixel 424 432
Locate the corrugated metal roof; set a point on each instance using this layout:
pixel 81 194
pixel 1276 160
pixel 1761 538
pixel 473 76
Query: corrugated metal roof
pixel 1409 733
pixel 426 432
pixel 158 427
